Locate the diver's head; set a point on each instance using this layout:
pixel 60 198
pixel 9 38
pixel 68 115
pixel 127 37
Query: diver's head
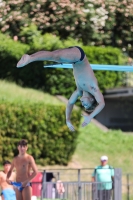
pixel 88 102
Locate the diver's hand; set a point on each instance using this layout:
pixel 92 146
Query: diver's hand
pixel 86 121
pixel 70 126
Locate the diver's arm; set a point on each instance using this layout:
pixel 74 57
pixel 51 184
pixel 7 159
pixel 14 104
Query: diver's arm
pixel 69 108
pixel 100 100
pixel 10 172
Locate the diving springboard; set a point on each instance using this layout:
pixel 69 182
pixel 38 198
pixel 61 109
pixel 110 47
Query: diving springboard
pixel 126 68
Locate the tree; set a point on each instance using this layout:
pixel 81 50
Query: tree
pixel 101 22
pixel 113 24
pixel 64 17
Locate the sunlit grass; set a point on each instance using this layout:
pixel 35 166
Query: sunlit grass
pixel 13 93
pixel 93 143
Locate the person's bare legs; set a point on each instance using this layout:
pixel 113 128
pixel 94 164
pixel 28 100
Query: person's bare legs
pixel 18 195
pixel 63 55
pixel 27 193
pixel 2 198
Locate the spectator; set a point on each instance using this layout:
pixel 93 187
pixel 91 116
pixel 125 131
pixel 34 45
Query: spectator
pixel 104 175
pixel 49 176
pixel 50 186
pixel 7 192
pixel 23 163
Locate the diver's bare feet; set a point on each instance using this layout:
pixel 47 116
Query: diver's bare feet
pixel 23 61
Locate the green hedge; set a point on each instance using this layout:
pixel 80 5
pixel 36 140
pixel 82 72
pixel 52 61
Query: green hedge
pixel 109 56
pixel 10 53
pixel 50 141
pixel 55 81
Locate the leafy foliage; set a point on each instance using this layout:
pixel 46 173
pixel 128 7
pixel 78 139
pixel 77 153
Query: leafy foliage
pixel 109 55
pixel 112 23
pixel 93 22
pixel 10 52
pixel 51 142
pixel 58 17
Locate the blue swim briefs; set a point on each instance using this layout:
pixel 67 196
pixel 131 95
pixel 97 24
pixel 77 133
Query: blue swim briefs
pixel 18 185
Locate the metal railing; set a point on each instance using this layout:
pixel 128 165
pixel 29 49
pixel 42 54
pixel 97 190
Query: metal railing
pixel 127 186
pixel 82 190
pixel 75 191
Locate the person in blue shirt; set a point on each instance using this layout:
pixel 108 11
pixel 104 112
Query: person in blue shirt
pixel 7 191
pixel 103 175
